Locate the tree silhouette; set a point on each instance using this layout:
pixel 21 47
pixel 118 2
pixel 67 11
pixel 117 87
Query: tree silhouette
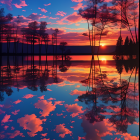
pixel 33 32
pixel 5 28
pixel 56 32
pixel 62 48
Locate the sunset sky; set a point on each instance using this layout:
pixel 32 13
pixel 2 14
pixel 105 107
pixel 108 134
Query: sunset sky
pixel 62 14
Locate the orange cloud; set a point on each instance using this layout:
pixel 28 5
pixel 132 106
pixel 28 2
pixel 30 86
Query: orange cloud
pixel 32 123
pixel 41 97
pixel 72 121
pixel 77 86
pixel 79 138
pixel 51 99
pixel 127 136
pixel 18 101
pixel 14 134
pixel 77 92
pixel 46 106
pixel 45 139
pixel 6 119
pixel 62 130
pixel 49 89
pixel 15 112
pixel 76 100
pixel 75 109
pixel 27 96
pixel 44 135
pixel 58 102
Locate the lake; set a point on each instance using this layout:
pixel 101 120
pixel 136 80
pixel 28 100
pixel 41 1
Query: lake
pixel 74 97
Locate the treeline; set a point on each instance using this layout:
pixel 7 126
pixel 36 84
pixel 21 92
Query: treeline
pixel 33 33
pixel 128 47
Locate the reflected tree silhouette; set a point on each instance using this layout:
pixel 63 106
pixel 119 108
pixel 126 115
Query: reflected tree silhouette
pixel 115 93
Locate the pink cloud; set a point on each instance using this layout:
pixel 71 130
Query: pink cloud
pixel 78 6
pixel 12 128
pixel 1 105
pixel 27 96
pixel 44 17
pixel 61 13
pixel 43 10
pixel 21 19
pixel 76 0
pixel 1 111
pixel 74 18
pixel 24 10
pixel 76 109
pixel 5 127
pixel 15 112
pixel 18 101
pixel 62 130
pixel 71 127
pixel 77 92
pixel 32 123
pixel 34 16
pixel 6 119
pixel 14 134
pixel 47 4
pixel 45 139
pixel 8 3
pixel 22 4
pixel 53 18
pixel 41 97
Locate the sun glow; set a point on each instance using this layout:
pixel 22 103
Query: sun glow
pixel 102 45
pixel 103 59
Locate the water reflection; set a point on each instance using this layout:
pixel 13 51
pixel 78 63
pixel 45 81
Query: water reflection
pixel 98 99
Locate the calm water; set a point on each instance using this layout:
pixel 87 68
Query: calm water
pixel 76 98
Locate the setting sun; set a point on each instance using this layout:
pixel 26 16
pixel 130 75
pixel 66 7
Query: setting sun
pixel 103 59
pixel 103 45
